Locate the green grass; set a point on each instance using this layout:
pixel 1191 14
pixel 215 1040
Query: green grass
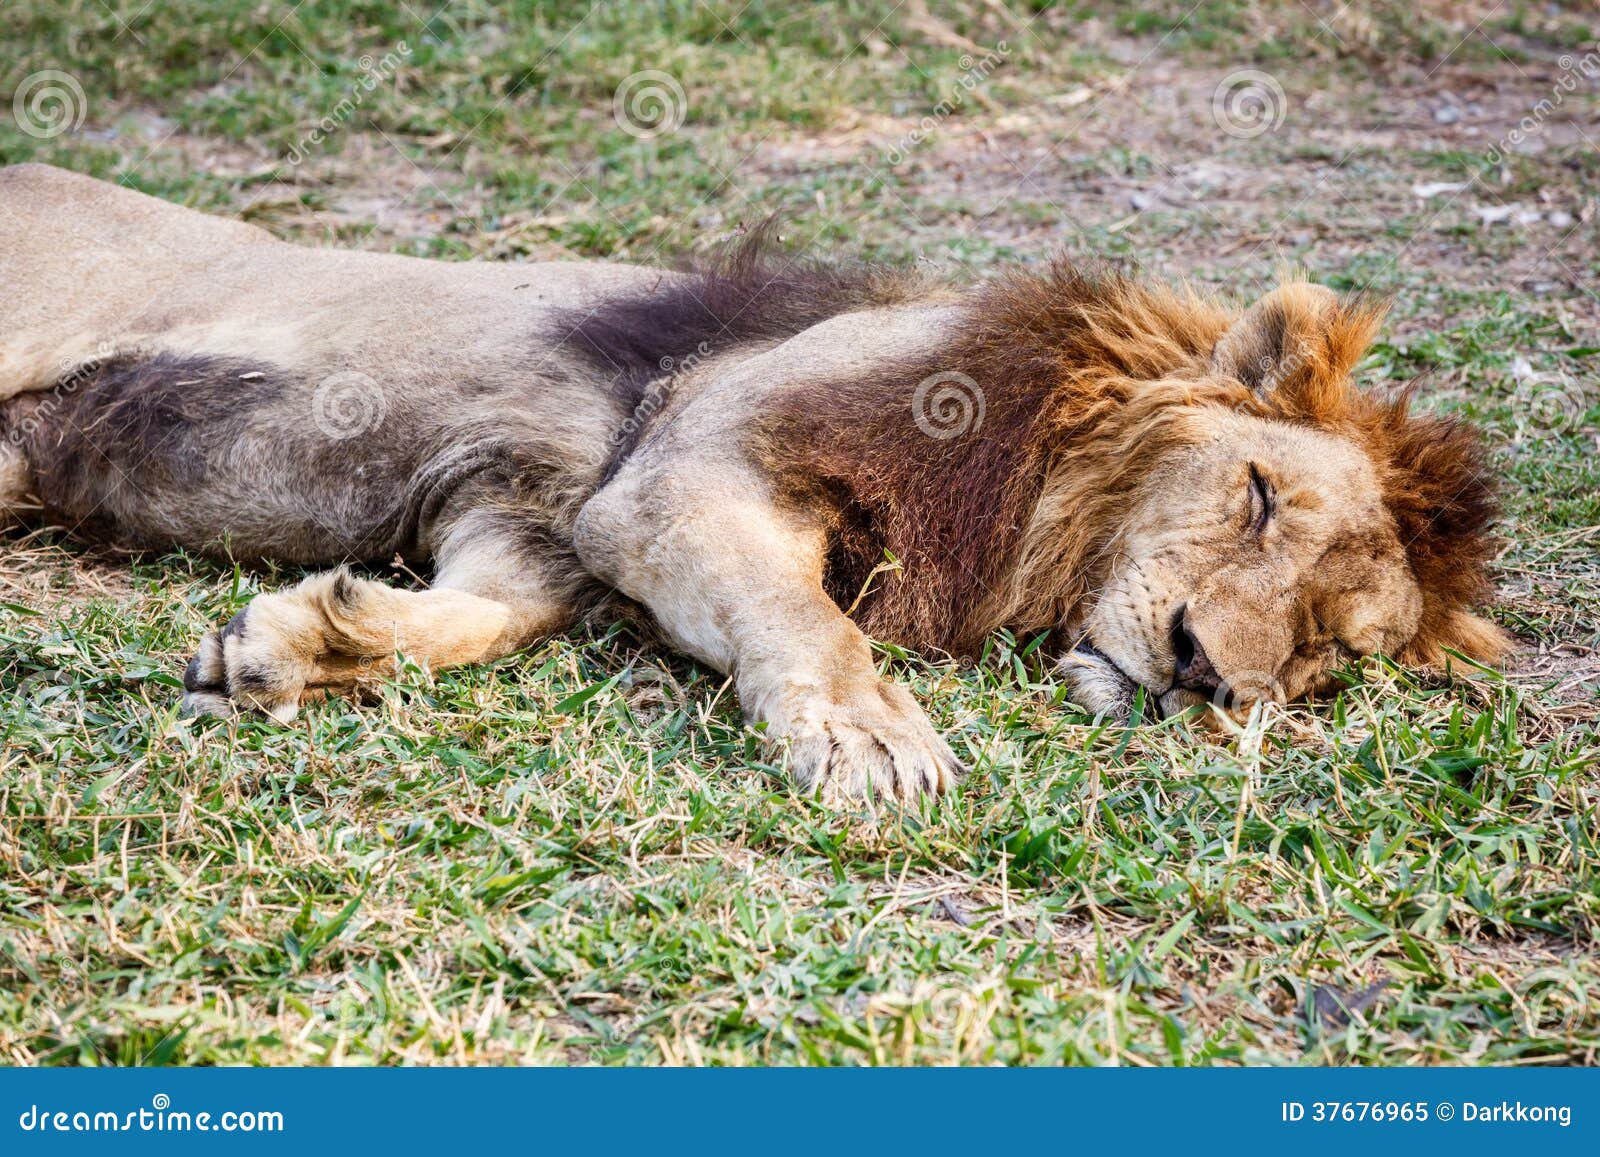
pixel 580 854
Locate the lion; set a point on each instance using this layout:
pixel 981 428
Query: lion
pixel 774 460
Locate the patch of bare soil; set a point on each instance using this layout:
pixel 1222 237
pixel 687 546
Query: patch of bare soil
pixel 367 188
pixel 1565 681
pixel 1321 173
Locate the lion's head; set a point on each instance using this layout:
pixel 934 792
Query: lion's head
pixel 1274 522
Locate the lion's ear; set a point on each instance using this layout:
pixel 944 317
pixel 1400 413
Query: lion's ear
pixel 1296 332
pixel 1472 635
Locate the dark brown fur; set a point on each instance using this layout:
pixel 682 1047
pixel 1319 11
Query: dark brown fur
pixel 142 449
pixel 954 512
pixel 115 429
pixel 749 294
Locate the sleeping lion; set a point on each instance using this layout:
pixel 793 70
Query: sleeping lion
pixel 778 460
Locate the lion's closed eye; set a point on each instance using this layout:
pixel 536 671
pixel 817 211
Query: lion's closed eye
pixel 1263 501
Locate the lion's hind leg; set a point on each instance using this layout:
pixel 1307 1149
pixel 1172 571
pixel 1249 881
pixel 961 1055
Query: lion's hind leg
pixel 335 631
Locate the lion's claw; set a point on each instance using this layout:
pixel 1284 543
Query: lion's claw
pixel 875 744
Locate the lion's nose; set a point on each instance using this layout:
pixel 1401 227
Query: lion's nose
pixel 1191 668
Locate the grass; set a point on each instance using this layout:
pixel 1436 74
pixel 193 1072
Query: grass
pixel 580 855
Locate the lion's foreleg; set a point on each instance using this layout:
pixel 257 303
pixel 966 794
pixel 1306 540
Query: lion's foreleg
pixel 736 580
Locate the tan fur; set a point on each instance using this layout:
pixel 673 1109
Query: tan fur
pixel 1189 499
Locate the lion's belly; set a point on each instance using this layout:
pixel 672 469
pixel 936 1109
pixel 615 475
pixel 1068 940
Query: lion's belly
pixel 243 459
pixel 182 380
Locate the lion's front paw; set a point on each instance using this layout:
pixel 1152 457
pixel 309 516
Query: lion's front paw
pixel 876 743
